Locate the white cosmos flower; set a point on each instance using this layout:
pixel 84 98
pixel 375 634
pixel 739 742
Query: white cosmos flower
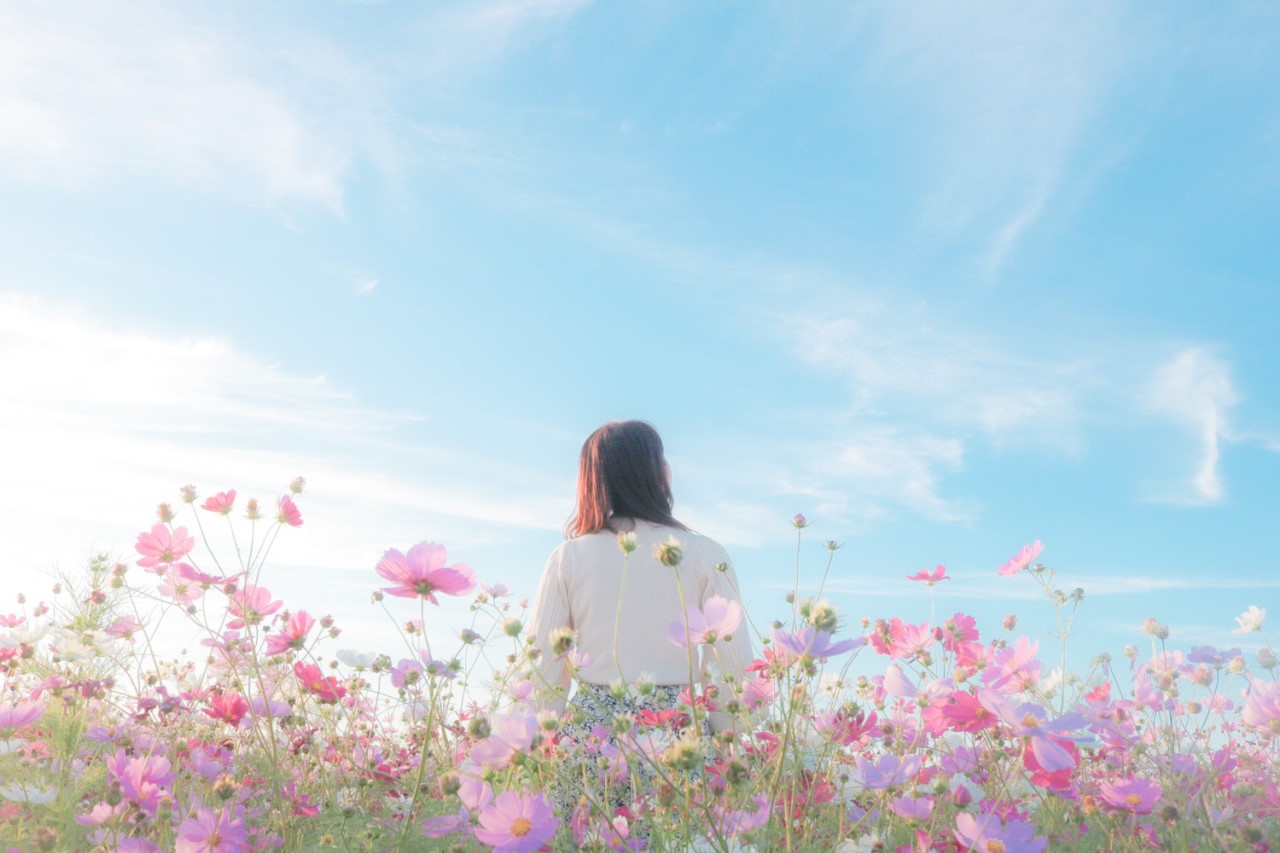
pixel 20 792
pixel 1251 620
pixel 23 634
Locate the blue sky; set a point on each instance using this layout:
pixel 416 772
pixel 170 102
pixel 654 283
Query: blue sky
pixel 946 280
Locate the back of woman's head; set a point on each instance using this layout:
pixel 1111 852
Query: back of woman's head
pixel 622 473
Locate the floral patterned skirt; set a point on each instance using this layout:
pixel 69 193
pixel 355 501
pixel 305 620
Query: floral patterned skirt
pixel 614 769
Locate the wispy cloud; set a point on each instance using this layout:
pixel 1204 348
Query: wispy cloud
pixel 128 413
pixel 1194 389
pixel 366 286
pixel 1010 92
pixel 91 95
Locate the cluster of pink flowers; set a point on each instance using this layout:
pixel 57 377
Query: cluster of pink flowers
pixel 269 742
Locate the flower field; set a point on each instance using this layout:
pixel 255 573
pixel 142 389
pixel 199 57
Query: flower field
pixel 274 737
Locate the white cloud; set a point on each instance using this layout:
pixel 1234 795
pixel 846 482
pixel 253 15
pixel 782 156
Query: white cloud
pixel 100 425
pixel 1009 90
pixel 93 94
pixel 1194 389
pixel 366 286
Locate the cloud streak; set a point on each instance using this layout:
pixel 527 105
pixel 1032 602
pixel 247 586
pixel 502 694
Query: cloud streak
pixel 91 95
pixel 1194 389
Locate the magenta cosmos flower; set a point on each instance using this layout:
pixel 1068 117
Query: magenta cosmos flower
pixel 718 620
pixel 930 578
pixel 163 545
pixel 516 823
pixel 422 573
pixel 287 512
pixel 209 831
pixel 1022 560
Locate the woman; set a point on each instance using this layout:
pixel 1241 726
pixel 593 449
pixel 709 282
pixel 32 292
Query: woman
pixel 612 583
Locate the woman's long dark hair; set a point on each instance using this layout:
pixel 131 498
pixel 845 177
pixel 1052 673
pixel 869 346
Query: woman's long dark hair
pixel 622 473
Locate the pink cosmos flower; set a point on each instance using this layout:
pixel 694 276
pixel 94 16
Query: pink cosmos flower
pixel 228 707
pixel 179 587
pixel 15 716
pixel 163 546
pixel 509 734
pixel 1262 706
pixel 101 813
pixel 287 512
pixel 422 573
pixel 986 833
pixel 293 635
pixel 718 619
pixel 124 627
pixel 912 808
pixel 930 578
pixel 1013 668
pixel 1030 720
pixel 1134 794
pixel 209 831
pixel 1022 560
pixel 250 605
pixel 314 682
pixel 143 779
pixel 221 503
pixel 516 823
pixel 812 643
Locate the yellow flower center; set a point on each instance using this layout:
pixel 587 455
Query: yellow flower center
pixel 520 828
pixel 994 845
pixel 1133 799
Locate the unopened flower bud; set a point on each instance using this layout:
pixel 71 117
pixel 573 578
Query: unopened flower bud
pixel 251 510
pixel 563 641
pixel 296 485
pixel 799 522
pixel 1154 628
pixel 188 493
pixel 669 553
pixel 224 787
pixel 1009 622
pixel 165 513
pixel 512 627
pixel 478 728
pixel 450 784
pixel 627 541
pixel 1266 658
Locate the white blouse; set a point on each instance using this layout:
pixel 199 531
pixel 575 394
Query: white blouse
pixel 590 586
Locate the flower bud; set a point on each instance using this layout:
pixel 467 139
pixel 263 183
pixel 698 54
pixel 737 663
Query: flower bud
pixel 296 486
pixel 1009 622
pixel 669 553
pixel 165 513
pixel 799 522
pixel 188 493
pixel 627 541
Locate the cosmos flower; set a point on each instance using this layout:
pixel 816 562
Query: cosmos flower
pixel 717 620
pixel 516 822
pixel 1133 794
pixel 422 573
pixel 930 578
pixel 1251 620
pixel 287 512
pixel 210 831
pixel 1021 560
pixel 163 546
pixel 221 503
